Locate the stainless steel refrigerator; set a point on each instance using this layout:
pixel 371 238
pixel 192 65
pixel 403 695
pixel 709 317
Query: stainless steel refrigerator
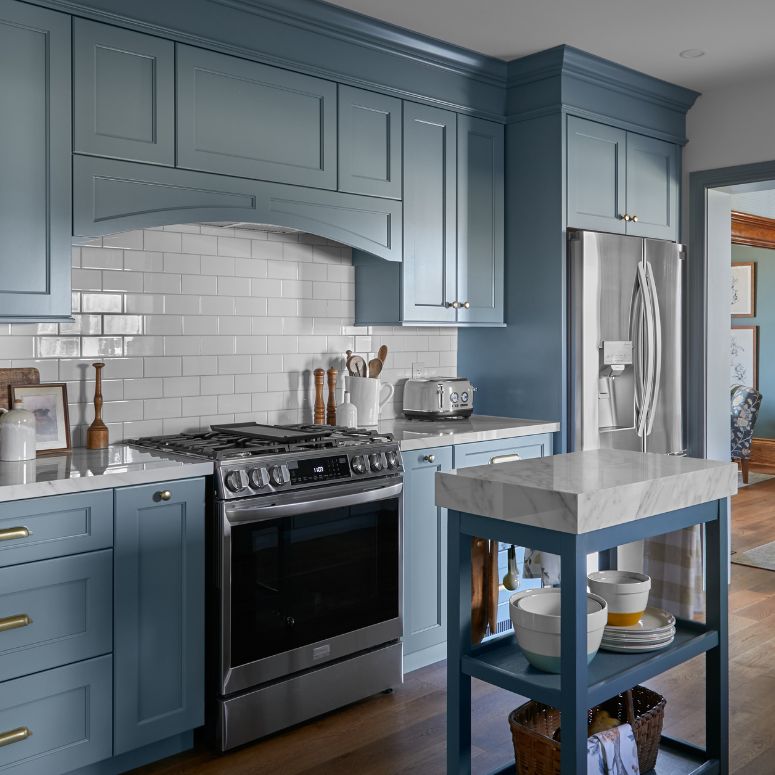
pixel 626 343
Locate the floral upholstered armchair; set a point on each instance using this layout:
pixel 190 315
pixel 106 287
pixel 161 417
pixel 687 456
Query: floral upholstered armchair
pixel 745 409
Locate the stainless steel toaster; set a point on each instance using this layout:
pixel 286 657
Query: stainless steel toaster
pixel 438 398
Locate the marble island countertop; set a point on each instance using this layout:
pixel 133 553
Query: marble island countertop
pixel 585 491
pixel 88 469
pixel 420 434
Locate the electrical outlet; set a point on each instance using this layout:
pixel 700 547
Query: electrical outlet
pixel 418 370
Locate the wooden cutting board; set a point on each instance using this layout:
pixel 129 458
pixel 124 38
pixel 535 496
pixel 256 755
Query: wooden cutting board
pixel 493 588
pixel 8 377
pixel 479 563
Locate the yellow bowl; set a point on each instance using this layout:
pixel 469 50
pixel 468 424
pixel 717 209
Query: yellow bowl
pixel 626 592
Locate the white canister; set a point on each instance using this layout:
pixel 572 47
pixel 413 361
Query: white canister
pixel 17 433
pixel 368 395
pixel 347 413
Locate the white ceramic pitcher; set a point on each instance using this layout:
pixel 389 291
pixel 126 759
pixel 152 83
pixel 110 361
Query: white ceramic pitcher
pixel 17 433
pixel 366 393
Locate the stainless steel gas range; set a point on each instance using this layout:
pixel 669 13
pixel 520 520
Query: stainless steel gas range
pixel 304 555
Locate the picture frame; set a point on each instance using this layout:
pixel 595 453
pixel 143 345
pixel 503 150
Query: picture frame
pixel 48 402
pixel 743 290
pixel 744 356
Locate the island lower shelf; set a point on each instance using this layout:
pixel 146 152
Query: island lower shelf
pixel 501 662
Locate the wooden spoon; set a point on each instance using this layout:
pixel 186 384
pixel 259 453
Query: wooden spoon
pixel 382 353
pixel 375 367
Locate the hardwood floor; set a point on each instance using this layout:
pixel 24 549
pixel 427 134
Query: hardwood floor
pixel 403 732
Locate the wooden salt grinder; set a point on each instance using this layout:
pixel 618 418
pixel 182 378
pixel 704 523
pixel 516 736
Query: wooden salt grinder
pixel 320 407
pixel 97 434
pixel 331 406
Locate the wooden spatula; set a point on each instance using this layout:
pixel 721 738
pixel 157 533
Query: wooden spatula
pixel 375 367
pixel 382 353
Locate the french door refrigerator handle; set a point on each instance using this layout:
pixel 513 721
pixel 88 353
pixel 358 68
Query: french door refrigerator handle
pixel 657 319
pixel 647 384
pixel 636 317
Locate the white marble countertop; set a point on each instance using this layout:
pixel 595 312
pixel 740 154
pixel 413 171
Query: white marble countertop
pixel 585 491
pixel 420 434
pixel 86 469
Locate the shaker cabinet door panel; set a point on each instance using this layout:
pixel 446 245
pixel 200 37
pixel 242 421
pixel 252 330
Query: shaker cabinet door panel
pixel 123 94
pixel 430 214
pixel 652 187
pixel 369 143
pixel 596 176
pixel 249 120
pixel 159 612
pixel 480 220
pixel 35 149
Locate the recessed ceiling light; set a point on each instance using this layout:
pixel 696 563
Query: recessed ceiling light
pixel 692 53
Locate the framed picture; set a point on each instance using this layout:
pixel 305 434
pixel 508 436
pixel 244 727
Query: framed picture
pixel 744 356
pixel 49 405
pixel 744 289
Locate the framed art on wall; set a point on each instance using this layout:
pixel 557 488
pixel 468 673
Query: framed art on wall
pixel 744 356
pixel 49 405
pixel 743 301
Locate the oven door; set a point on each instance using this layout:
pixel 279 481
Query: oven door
pixel 308 579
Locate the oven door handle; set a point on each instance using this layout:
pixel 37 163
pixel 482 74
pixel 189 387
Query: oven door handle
pixel 240 513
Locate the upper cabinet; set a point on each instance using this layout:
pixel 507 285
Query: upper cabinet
pixel 123 94
pixel 35 147
pixel 240 118
pixel 369 143
pixel 621 182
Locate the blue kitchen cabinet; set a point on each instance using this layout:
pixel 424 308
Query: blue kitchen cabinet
pixel 123 94
pixel 480 227
pixel 369 143
pixel 425 558
pixel 35 148
pixel 241 118
pixel 159 603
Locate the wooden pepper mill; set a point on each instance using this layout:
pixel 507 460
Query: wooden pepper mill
pixel 97 434
pixel 320 407
pixel 331 405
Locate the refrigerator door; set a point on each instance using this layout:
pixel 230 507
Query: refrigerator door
pixel 665 423
pixel 607 326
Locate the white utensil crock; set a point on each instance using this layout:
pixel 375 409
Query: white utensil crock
pixel 17 434
pixel 369 396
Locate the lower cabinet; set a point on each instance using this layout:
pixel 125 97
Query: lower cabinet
pixel 159 604
pixel 425 558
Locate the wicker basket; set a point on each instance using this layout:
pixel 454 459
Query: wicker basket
pixel 533 726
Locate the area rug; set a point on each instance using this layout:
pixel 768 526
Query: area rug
pixel 753 478
pixel 758 557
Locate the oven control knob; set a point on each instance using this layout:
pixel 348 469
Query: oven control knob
pixel 376 461
pixel 236 481
pixel 278 476
pixel 359 465
pixel 259 478
pixel 392 459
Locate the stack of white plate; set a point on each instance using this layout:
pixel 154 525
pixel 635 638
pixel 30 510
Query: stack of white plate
pixel 654 631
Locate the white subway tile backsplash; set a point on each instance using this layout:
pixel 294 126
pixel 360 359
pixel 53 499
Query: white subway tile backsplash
pixel 143 387
pixel 199 364
pixel 199 243
pixel 102 258
pixel 161 408
pixel 143 261
pixel 129 282
pixel 87 279
pixel 158 282
pixel 162 367
pixel 128 240
pixel 182 263
pixel 162 241
pixel 181 386
pixel 233 246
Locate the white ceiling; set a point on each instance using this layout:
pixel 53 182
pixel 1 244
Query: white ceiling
pixel 646 35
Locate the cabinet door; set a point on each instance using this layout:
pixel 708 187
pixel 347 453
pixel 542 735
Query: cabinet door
pixel 369 143
pixel 430 217
pixel 652 187
pixel 479 220
pixel 425 552
pixel 35 148
pixel 159 612
pixel 253 121
pixel 123 94
pixel 596 176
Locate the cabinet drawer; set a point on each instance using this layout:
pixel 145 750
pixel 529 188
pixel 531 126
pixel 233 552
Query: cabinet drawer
pixel 55 612
pixel 67 713
pixel 54 527
pixel 484 452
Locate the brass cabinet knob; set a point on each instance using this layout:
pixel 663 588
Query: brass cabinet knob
pixel 634 218
pixel 466 305
pixel 626 217
pixel 454 304
pixel 429 458
pixel 165 495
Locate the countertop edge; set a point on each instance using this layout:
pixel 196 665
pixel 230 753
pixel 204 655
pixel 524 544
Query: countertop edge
pixel 471 437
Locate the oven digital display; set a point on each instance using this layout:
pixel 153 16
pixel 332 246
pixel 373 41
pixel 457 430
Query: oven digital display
pixel 319 470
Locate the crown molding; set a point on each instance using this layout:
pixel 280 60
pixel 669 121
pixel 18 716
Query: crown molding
pixel 756 231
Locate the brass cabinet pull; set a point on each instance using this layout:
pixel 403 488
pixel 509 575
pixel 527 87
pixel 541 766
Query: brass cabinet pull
pixel 429 458
pixel 626 217
pixel 453 304
pixel 14 622
pixel 466 305
pixel 10 533
pixel 165 495
pixel 14 736
pixel 634 219
pixel 505 458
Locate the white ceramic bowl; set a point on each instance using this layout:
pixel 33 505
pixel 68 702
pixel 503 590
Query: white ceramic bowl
pixel 535 614
pixel 626 592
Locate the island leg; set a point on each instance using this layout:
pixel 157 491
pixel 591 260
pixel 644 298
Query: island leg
pixel 458 643
pixel 573 662
pixel 717 659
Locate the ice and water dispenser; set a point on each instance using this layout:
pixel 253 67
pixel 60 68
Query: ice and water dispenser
pixel 616 386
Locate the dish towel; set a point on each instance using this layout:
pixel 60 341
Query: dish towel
pixel 613 752
pixel 674 562
pixel 542 565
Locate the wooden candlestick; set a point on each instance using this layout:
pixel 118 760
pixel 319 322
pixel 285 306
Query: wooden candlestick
pixel 331 406
pixel 97 434
pixel 320 407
